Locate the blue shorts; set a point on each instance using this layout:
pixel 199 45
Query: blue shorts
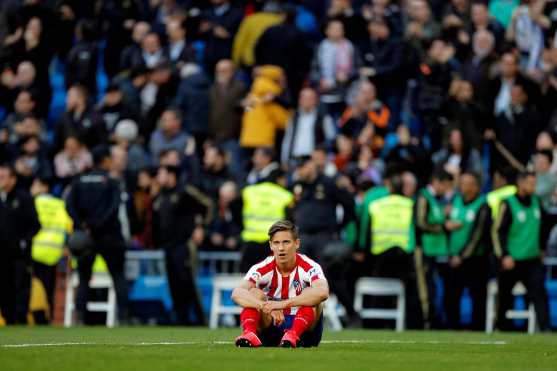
pixel 271 336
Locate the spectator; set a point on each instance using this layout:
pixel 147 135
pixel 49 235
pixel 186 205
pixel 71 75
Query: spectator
pixel 457 156
pixel 225 119
pixel 193 100
pixel 464 113
pixel 214 172
pixel 352 21
pixel 29 126
pixel 23 107
pixel 74 159
pixel 143 196
pixel 77 121
pixel 275 47
pixel 151 51
pixel 483 21
pixel 308 128
pixel 388 10
pixel 30 45
pixel 177 50
pixel 367 118
pixel 503 10
pixel 525 30
pixel 479 68
pixel 545 142
pixel 131 55
pixel 546 182
pixel 251 29
pixel 218 26
pixel 335 62
pixel 409 155
pixel 126 136
pixel 263 116
pixel 433 82
pixel 224 230
pixel 420 23
pixel 366 168
pixel 169 135
pixel 264 168
pixel 31 161
pixel 516 129
pixel 383 59
pixel 113 109
pixel 157 94
pixel 82 60
pixel 24 79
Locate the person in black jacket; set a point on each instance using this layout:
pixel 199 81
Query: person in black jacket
pixel 315 212
pixel 93 203
pixel 178 215
pixel 81 63
pixel 18 224
pixel 218 27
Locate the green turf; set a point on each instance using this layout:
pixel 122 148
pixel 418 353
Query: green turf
pixel 120 349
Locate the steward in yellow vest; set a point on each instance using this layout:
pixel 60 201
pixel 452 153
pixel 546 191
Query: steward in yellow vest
pixel 502 189
pixel 263 204
pixel 48 244
pixel 390 240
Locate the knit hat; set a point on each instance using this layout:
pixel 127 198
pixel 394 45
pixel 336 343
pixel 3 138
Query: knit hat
pixel 126 130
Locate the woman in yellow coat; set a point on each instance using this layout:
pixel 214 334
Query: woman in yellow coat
pixel 262 116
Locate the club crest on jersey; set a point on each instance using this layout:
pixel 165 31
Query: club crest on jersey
pixel 297 286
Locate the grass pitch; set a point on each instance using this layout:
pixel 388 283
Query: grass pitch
pixel 156 348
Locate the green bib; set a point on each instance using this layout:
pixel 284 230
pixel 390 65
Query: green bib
pixel 465 214
pixel 434 244
pixel 524 234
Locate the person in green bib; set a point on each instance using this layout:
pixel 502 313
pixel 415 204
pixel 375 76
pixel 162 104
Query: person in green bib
pixel 468 249
pixel 432 250
pixel 518 242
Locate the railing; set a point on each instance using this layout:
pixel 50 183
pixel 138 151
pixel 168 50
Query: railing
pixel 152 263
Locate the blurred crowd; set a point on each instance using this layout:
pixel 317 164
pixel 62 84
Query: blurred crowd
pixel 187 104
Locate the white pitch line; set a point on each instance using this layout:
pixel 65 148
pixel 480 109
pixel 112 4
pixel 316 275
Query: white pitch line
pixel 432 342
pixel 221 342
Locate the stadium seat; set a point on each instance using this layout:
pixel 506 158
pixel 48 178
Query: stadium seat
pixel 98 281
pixel 223 284
pixel 527 314
pixel 381 287
pixel 332 311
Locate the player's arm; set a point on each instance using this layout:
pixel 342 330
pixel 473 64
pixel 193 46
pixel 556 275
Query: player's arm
pixel 310 297
pixel 244 298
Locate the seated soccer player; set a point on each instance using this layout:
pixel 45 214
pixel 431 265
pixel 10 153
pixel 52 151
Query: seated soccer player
pixel 282 296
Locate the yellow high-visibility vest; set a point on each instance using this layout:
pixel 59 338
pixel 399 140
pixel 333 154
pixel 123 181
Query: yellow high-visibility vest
pixel 48 244
pixel 391 222
pixel 494 198
pixel 264 204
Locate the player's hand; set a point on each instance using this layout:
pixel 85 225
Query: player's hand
pixel 507 262
pixel 278 317
pixel 271 306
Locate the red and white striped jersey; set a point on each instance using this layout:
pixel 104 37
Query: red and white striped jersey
pixel 265 276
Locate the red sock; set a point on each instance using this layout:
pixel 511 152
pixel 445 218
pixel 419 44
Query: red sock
pixel 249 319
pixel 303 320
